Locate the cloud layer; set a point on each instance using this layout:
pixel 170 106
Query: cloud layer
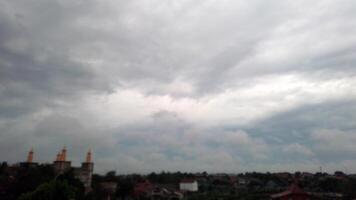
pixel 180 85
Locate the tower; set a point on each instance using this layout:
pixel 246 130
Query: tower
pixel 88 158
pixel 83 173
pixel 88 165
pixel 64 154
pixel 58 158
pixel 30 156
pixel 61 164
pixel 29 161
pixel 86 171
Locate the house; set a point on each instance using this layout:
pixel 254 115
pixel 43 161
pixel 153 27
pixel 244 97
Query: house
pixel 108 189
pixel 142 189
pixel 162 193
pixel 190 185
pixel 242 181
pixel 272 186
pixel 294 192
pixel 147 190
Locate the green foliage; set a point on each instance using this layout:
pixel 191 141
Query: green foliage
pixel 16 181
pixel 168 177
pixel 69 177
pixel 331 185
pixel 39 183
pixel 3 167
pixel 349 188
pixel 54 190
pixel 111 174
pixel 125 189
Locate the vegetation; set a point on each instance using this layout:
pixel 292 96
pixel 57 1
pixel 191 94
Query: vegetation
pixel 37 183
pixel 53 190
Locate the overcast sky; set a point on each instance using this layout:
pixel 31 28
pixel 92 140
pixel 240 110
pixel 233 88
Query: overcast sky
pixel 189 85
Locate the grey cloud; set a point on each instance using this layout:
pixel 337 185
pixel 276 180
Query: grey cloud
pixel 54 55
pixel 36 70
pixel 298 126
pixel 209 51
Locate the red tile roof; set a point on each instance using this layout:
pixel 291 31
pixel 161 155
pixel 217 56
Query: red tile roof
pixel 294 189
pixel 142 188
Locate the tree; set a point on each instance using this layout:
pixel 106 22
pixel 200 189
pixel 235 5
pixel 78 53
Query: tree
pixel 125 188
pixel 3 167
pixel 331 185
pixel 70 178
pixel 53 190
pixel 26 179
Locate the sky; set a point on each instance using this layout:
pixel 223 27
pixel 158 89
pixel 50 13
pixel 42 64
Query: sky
pixel 180 85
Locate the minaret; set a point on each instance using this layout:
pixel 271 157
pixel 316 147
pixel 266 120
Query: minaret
pixel 64 154
pixel 88 165
pixel 58 157
pixel 29 162
pixel 30 156
pixel 88 159
pixel 87 171
pixel 61 164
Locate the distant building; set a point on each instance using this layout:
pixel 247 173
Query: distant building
pixel 29 162
pixel 283 175
pixel 109 189
pixel 147 190
pixel 294 192
pixel 142 189
pixel 83 173
pixel 188 185
pixel 242 181
pixel 161 193
pixel 61 165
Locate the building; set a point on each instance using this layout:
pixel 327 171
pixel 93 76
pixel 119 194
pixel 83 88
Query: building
pixel 294 192
pixel 108 189
pixel 161 193
pixel 62 165
pixel 142 189
pixel 190 185
pixel 29 162
pixel 146 190
pixel 83 173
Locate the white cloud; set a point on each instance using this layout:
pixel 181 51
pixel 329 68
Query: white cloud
pixel 297 148
pixel 264 97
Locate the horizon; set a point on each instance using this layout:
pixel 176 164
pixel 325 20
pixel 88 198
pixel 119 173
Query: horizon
pixel 188 85
pixel 77 163
pixel 186 172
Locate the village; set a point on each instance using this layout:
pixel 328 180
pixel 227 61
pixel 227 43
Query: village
pixel 23 180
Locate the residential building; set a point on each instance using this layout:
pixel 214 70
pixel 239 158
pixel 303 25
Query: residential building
pixel 190 185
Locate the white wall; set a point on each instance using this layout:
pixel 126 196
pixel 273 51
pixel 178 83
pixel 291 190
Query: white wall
pixel 193 187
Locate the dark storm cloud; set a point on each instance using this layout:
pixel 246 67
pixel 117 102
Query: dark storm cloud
pixel 213 50
pixel 330 115
pixel 305 131
pixel 36 67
